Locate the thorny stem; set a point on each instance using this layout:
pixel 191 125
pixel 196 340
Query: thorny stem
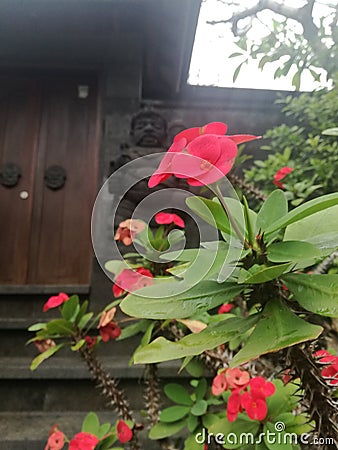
pixel 231 219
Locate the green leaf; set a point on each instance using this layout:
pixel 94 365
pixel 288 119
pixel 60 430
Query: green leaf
pixel 319 229
pixel 178 394
pixel 78 345
pixel 45 355
pixel 194 367
pixel 210 211
pixel 71 308
pixel 233 55
pixel 292 251
pixel 116 266
pixel 296 80
pixel 150 302
pixel 199 408
pixel 162 430
pixel 274 207
pixel 316 293
pixel 91 424
pixel 191 444
pixel 304 210
pixel 37 327
pixel 248 223
pixel 60 327
pixel 201 389
pixel 82 312
pixel 278 328
pixel 131 330
pixel 192 423
pixel 261 274
pixel 103 430
pixel 330 132
pixel 84 320
pixel 194 344
pixel 237 70
pixel 174 413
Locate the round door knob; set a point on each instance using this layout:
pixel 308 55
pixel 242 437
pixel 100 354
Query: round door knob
pixel 24 195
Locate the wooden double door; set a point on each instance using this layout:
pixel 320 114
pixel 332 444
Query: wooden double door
pixel 48 175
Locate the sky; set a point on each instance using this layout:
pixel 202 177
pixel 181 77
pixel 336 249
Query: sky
pixel 210 62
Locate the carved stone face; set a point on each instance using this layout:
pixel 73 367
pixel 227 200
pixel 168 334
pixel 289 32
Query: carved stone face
pixel 148 129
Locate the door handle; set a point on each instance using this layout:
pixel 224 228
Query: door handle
pixel 55 177
pixel 10 174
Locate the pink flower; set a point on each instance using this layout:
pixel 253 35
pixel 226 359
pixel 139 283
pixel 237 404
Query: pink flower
pixel 225 308
pixel 131 280
pixel 110 331
pixel 56 441
pixel 163 218
pixel 128 229
pixel 259 387
pixel 124 433
pixel 234 406
pixel 44 344
pixel 219 384
pixel 55 300
pixel 201 155
pixel 255 407
pixel 237 378
pixel 280 175
pixel 83 441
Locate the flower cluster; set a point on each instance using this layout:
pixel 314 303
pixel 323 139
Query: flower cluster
pixel 128 229
pixel 330 372
pixel 247 393
pixel 55 300
pixel 201 155
pixel 280 175
pixel 85 440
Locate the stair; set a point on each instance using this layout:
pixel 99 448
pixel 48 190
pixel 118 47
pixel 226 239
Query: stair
pixel 60 391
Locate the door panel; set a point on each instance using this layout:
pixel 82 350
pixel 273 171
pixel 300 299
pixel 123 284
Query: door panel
pixel 61 252
pixel 45 239
pixel 19 125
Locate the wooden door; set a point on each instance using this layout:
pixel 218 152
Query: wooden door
pixel 45 238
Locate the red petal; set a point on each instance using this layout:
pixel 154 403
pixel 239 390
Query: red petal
pixel 215 128
pixel 240 138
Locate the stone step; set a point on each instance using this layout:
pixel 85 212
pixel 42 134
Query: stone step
pixel 58 367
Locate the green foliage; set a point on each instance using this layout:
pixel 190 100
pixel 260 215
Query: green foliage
pixel 303 146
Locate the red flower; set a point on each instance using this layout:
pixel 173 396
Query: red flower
pixel 128 229
pixel 237 378
pixel 325 357
pixel 259 387
pixel 110 331
pixel 56 441
pixel 91 341
pixel 286 377
pixel 255 407
pixel 234 406
pixel 163 218
pixel 124 433
pixel 219 384
pixel 225 308
pixel 214 155
pixel 331 372
pixel 280 174
pixel 55 300
pixel 131 280
pixel 83 441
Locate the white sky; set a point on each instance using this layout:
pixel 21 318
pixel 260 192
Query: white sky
pixel 210 62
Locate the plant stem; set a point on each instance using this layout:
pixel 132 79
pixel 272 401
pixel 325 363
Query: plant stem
pixel 231 219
